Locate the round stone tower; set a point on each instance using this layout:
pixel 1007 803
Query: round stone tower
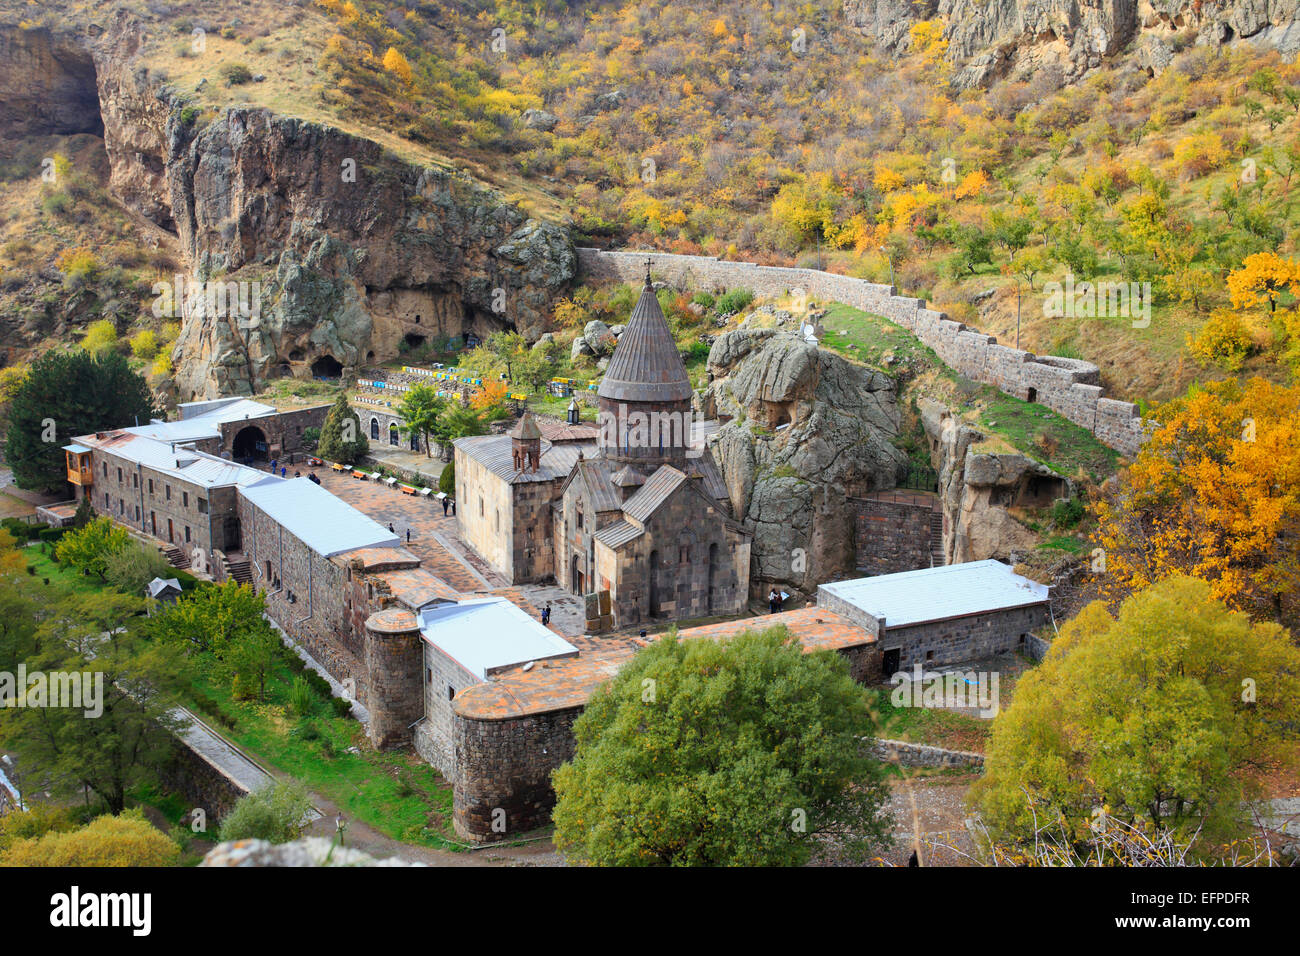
pixel 395 665
pixel 645 396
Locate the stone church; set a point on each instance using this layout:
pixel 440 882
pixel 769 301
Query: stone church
pixel 641 512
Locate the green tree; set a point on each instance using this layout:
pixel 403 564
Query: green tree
pixel 209 616
pixel 275 813
pixel 69 394
pixel 740 752
pixel 420 410
pixel 85 512
pixel 1154 717
pixel 341 438
pixel 131 568
pixel 447 479
pixel 124 737
pixel 92 546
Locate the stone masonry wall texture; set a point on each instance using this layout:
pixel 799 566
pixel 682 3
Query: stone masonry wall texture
pixel 1067 386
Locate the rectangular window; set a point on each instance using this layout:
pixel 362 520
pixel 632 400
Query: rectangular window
pixel 108 502
pixel 203 506
pixel 135 480
pixel 105 469
pixel 168 489
pixel 187 532
pixel 151 486
pixel 185 499
pixel 119 476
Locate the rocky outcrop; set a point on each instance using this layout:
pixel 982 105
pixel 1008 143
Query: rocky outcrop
pixel 804 429
pixel 307 851
pixel 988 39
pixel 977 490
pixel 348 250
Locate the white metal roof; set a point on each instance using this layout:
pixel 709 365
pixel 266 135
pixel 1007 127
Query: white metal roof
pixel 196 467
pixel 936 594
pixel 484 635
pixel 224 410
pixel 326 524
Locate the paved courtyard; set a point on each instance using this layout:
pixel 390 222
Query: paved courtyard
pixel 434 540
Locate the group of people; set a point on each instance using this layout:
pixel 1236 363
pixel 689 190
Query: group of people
pixel 775 600
pixel 283 472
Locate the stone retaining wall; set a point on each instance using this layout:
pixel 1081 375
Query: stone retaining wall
pixel 1067 386
pixel 923 755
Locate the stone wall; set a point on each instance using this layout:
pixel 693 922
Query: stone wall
pixel 503 772
pixel 894 531
pixel 1067 386
pixel 435 735
pixel 922 755
pixel 376 425
pixel 281 429
pixel 963 638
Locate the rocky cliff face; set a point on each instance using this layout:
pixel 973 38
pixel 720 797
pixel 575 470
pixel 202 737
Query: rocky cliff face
pixel 347 250
pixel 805 428
pixel 993 38
pixel 977 489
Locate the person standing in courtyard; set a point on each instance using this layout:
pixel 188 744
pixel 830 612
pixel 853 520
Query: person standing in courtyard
pixel 773 601
pixel 445 503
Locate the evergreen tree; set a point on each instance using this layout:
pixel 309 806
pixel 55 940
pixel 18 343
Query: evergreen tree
pixel 341 438
pixel 69 394
pixel 85 512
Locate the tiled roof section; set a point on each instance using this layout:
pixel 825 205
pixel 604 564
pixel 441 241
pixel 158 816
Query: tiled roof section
pixel 646 366
pixel 380 559
pixel 565 684
pixel 548 686
pixel 564 432
pixel 816 629
pixel 654 492
pixel 595 473
pixel 417 587
pixel 496 453
pixel 617 534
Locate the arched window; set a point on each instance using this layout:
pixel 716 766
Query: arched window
pixel 374 428
pixel 392 434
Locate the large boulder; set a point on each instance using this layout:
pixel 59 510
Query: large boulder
pixel 805 429
pixel 981 491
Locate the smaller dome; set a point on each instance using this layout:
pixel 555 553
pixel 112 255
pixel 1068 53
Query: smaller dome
pixel 526 428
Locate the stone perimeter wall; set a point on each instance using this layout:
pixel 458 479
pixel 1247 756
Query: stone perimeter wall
pixel 1067 386
pixel 922 755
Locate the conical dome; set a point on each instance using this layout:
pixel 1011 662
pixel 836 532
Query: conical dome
pixel 645 366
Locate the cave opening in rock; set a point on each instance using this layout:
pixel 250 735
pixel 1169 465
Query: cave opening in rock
pixel 412 340
pixel 327 366
pixel 296 355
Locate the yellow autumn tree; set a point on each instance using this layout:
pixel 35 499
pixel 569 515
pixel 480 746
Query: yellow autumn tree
pixel 395 63
pixel 492 393
pixel 1214 494
pixel 1261 277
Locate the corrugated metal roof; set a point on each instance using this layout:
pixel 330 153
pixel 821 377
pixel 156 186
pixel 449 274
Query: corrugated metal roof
pixel 936 594
pixel 487 634
pixel 711 475
pixel 654 492
pixel 496 453
pixel 646 366
pixel 326 524
pixel 196 467
pixel 617 534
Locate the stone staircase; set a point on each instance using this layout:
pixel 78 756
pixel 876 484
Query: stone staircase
pixel 176 557
pixel 240 571
pixel 936 539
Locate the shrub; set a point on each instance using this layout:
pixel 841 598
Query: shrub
pixel 133 567
pixel 101 337
pixel 733 301
pixel 144 344
pixel 447 479
pixel 1225 339
pixel 301 699
pixel 236 74
pixel 125 840
pixel 276 813
pixel 1067 514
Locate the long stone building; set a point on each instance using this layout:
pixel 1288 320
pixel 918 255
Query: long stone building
pixel 640 518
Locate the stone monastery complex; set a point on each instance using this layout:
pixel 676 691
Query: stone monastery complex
pixel 632 516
